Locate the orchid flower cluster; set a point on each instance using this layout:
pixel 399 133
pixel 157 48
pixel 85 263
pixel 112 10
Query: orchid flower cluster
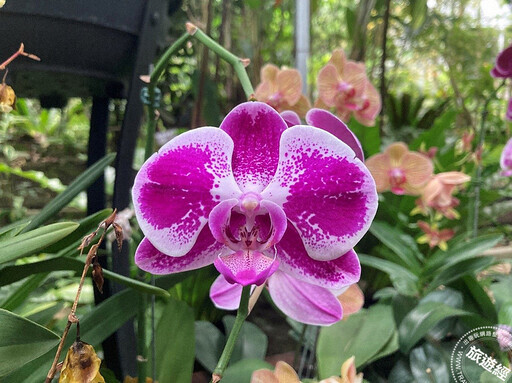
pixel 343 87
pixel 412 173
pixel 284 373
pixel 268 202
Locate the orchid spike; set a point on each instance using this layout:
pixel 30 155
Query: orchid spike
pixel 400 170
pixel 259 200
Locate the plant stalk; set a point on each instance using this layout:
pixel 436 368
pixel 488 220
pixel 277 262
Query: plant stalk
pixel 241 315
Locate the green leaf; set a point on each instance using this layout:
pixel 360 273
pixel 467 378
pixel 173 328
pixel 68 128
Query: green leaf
pixel 428 365
pixel 402 244
pixel 82 182
pixel 403 280
pixel 369 136
pixel 241 372
pixel 362 335
pixel 454 272
pixel 13 229
pixel 209 344
pixel 505 314
pixel 22 341
pixel 389 348
pixel 175 345
pixel 95 326
pixel 442 260
pixel 421 320
pixel 22 292
pixel 401 373
pixel 251 343
pixel 31 242
pixel 87 225
pixel 402 305
pixel 350 19
pixel 11 274
pixel 480 298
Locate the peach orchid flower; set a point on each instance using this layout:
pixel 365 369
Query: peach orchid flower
pixel 433 236
pixel 438 193
pixel 400 170
pixel 281 89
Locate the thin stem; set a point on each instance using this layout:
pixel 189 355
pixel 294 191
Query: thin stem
pixel 479 169
pixel 142 361
pixel 19 52
pixel 237 63
pixel 241 315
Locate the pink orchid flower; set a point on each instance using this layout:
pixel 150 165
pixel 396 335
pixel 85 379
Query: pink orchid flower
pixel 503 69
pixel 506 159
pixel 400 170
pixel 343 84
pixel 282 89
pixel 438 193
pixel 259 200
pixel 433 236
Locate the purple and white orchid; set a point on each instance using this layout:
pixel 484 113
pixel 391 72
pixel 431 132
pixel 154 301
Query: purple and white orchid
pixel 506 159
pixel 263 202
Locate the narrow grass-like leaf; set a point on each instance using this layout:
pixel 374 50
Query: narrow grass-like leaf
pixel 18 296
pixel 11 274
pixel 35 240
pixel 82 182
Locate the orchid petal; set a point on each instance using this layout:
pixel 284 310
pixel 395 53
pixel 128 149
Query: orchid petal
pixel 327 82
pixel 289 84
pixel 219 219
pixel 329 122
pixel 379 166
pixel 225 295
pixel 291 118
pixel 504 62
pixel 264 376
pixel 278 222
pixel 367 115
pixel 355 74
pixel 301 107
pixel 294 260
pixel 417 168
pixel 246 267
pixel 453 178
pixel 285 373
pixel 269 72
pixel 204 252
pixel 254 125
pixel 303 301
pixel 352 300
pixel 338 59
pixel 325 191
pixel 265 90
pixel 176 188
pixel 506 157
pixel 396 151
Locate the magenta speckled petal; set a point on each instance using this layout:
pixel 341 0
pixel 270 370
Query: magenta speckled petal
pixel 176 188
pixel 219 218
pixel 204 252
pixel 504 62
pixel 246 267
pixel 325 191
pixel 327 121
pixel 225 295
pixel 303 301
pixel 255 129
pixel 334 275
pixel 291 118
pixel 506 158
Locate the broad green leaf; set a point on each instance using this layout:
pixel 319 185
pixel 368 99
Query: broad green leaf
pixel 35 240
pixel 81 183
pixel 501 291
pixel 402 244
pixel 175 343
pixel 442 260
pixel 369 136
pixel 241 371
pixel 479 297
pixel 362 335
pixel 402 305
pixel 401 373
pixel 13 229
pixel 389 348
pixel 209 344
pixel 11 274
pixel 428 358
pixel 95 326
pixel 87 226
pixel 22 341
pixel 505 314
pixel 421 320
pixel 449 297
pixel 403 280
pixel 18 296
pixel 454 272
pixel 251 343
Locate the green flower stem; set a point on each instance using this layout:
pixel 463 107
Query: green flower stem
pixel 237 63
pixel 241 315
pixel 142 363
pixel 479 169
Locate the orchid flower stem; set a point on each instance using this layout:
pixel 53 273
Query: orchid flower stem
pixel 241 315
pixel 479 169
pixel 142 362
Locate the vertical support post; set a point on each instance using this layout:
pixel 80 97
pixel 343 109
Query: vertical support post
pixel 302 40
